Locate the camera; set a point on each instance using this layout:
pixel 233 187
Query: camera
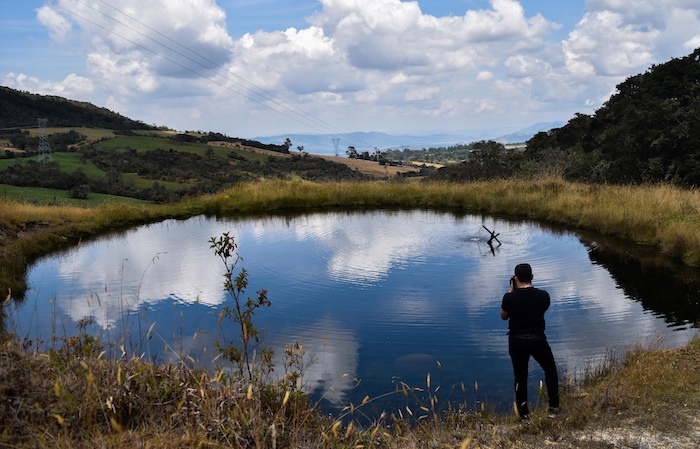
pixel 512 283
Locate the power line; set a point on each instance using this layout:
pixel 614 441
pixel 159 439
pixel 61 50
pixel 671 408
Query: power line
pixel 259 89
pixel 171 60
pixel 301 116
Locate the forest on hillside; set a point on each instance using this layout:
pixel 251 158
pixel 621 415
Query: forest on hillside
pixel 153 167
pixel 431 155
pixel 22 109
pixel 647 132
pixel 133 159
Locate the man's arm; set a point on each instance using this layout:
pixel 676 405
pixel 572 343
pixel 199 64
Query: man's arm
pixel 504 315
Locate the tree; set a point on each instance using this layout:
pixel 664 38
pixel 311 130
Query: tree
pixel 487 160
pixel 352 152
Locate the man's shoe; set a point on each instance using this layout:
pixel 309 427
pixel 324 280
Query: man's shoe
pixel 553 412
pixel 524 417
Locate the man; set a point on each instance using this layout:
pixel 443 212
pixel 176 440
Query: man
pixel 525 305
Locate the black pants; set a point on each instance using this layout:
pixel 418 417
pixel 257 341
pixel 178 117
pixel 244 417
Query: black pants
pixel 520 348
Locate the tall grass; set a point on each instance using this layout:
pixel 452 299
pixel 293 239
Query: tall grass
pixel 72 396
pixel 659 215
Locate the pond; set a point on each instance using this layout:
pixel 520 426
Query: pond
pixel 378 299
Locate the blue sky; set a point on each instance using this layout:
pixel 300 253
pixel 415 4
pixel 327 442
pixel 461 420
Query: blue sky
pixel 265 67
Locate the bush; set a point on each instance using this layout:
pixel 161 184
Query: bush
pixel 79 192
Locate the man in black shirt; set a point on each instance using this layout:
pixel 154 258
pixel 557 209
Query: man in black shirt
pixel 525 305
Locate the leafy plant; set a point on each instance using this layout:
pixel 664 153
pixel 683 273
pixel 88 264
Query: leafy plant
pixel 241 312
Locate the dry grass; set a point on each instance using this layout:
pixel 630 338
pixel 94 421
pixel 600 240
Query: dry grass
pixel 652 399
pixel 662 216
pixel 73 396
pixel 76 397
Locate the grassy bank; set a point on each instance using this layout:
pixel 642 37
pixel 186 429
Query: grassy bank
pixel 73 396
pixel 661 216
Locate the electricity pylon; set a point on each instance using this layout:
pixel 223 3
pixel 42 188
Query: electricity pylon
pixel 44 147
pixel 336 141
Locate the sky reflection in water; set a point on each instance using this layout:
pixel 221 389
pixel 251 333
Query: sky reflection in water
pixel 381 297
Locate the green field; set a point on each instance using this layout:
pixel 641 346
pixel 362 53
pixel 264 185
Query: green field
pixel 148 143
pixel 70 162
pixel 142 143
pixel 60 197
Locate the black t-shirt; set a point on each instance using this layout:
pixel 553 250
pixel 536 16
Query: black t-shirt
pixel 526 308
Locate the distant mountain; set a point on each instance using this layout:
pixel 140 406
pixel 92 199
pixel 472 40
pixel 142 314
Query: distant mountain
pixel 22 109
pixel 367 141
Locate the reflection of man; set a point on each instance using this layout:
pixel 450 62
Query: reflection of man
pixel 525 305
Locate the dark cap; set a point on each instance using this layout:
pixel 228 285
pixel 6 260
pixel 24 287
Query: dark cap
pixel 524 272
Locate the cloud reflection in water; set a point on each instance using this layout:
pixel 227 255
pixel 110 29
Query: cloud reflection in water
pixel 363 292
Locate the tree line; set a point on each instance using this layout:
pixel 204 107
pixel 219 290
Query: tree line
pixel 647 132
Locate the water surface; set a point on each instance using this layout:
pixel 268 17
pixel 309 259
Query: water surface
pixel 376 298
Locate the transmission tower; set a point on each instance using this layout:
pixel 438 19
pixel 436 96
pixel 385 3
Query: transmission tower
pixel 336 141
pixel 44 147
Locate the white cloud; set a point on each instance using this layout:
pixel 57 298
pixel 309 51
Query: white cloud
pixel 524 66
pixel 484 76
pixel 72 86
pixel 126 74
pixel 332 352
pixel 366 64
pixel 622 38
pixel 57 25
pixel 693 43
pixel 609 46
pixel 142 47
pixel 421 93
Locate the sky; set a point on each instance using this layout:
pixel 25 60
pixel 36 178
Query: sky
pixel 250 68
